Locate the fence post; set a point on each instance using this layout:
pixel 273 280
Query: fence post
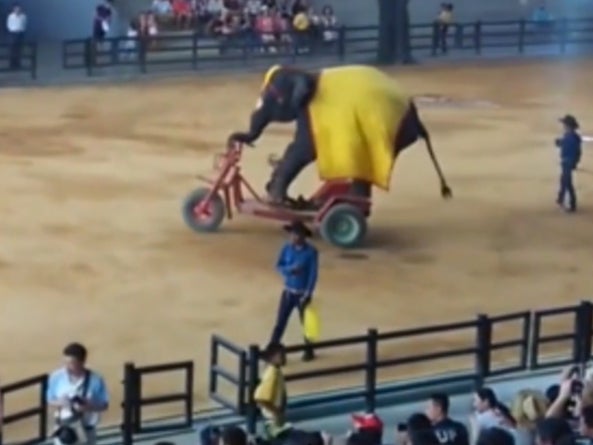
pixel 243 361
pixel 521 36
pixel 43 421
pixel 128 402
pixel 534 341
pixel 435 38
pixel 33 61
pixel 586 318
pixel 458 36
pixel 483 346
pixel 563 34
pixel 89 51
pixel 194 51
pixel 478 37
pixel 342 43
pixel 371 371
pixel 253 380
pixel 212 379
pixel 143 47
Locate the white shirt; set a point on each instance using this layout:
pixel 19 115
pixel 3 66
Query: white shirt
pixel 252 7
pixel 487 419
pixel 161 6
pixel 215 6
pixel 61 385
pixel 16 22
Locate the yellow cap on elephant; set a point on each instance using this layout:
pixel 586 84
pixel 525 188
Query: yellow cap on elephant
pixel 268 75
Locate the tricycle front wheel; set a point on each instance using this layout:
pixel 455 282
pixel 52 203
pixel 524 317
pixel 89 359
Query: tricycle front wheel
pixel 344 226
pixel 207 219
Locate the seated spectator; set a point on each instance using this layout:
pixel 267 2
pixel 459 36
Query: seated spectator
pixel 232 5
pixel 183 13
pixel 252 8
pixel 131 43
pixel 484 416
pixel 264 26
pixel 495 436
pixel 553 431
pixel 447 430
pixel 299 6
pixel 151 25
pixel 282 28
pixel 215 8
pixel 162 8
pixel 369 428
pixel 527 408
pixel 419 430
pixel 567 400
pixel 233 435
pixel 328 24
pixel 586 425
pixel 147 30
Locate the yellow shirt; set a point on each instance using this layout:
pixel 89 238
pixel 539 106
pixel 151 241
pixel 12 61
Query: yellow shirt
pixel 301 22
pixel 271 390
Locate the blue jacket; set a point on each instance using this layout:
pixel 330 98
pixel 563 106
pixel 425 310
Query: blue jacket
pixel 570 149
pixel 298 265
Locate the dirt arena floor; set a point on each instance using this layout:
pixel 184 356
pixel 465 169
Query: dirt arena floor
pixel 93 247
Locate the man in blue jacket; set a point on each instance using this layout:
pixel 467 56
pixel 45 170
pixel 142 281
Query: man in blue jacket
pixel 570 155
pixel 298 264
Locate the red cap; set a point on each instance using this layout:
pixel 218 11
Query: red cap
pixel 367 422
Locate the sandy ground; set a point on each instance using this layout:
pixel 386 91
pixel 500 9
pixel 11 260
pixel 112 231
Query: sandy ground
pixel 93 247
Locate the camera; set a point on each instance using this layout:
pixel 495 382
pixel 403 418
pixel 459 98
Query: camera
pixel 402 427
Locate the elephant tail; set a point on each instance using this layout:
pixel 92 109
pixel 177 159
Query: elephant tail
pixel 423 133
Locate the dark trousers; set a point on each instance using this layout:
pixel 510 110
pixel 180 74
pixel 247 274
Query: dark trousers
pixel 442 36
pixel 16 49
pixel 567 188
pixel 289 301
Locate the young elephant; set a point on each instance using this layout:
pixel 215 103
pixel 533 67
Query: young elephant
pixel 352 120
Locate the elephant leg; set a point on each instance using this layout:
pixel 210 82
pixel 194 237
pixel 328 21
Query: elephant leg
pixel 409 129
pixel 298 154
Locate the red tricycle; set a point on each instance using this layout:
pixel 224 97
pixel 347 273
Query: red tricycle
pixel 339 215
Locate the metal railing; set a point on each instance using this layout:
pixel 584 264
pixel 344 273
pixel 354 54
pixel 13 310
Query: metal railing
pixel 192 51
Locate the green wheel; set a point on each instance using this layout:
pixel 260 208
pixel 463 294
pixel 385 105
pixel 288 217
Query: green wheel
pixel 344 226
pixel 210 219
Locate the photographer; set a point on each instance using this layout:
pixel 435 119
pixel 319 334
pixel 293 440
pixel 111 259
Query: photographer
pixel 78 396
pixel 567 403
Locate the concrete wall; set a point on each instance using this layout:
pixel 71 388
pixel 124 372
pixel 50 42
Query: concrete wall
pixel 364 12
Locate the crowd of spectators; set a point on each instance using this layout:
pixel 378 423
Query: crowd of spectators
pixel 266 25
pixel 559 415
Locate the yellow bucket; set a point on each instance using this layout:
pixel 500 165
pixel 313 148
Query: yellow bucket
pixel 311 324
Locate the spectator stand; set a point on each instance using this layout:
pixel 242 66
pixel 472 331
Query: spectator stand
pixel 526 350
pixel 353 45
pixel 27 60
pixel 529 351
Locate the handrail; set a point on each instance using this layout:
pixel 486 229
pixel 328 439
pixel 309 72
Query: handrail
pixel 194 51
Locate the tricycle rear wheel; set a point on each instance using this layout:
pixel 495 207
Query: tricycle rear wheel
pixel 344 226
pixel 208 220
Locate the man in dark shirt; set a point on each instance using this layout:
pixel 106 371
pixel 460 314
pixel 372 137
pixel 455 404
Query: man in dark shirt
pixel 297 263
pixel 570 155
pixel 447 431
